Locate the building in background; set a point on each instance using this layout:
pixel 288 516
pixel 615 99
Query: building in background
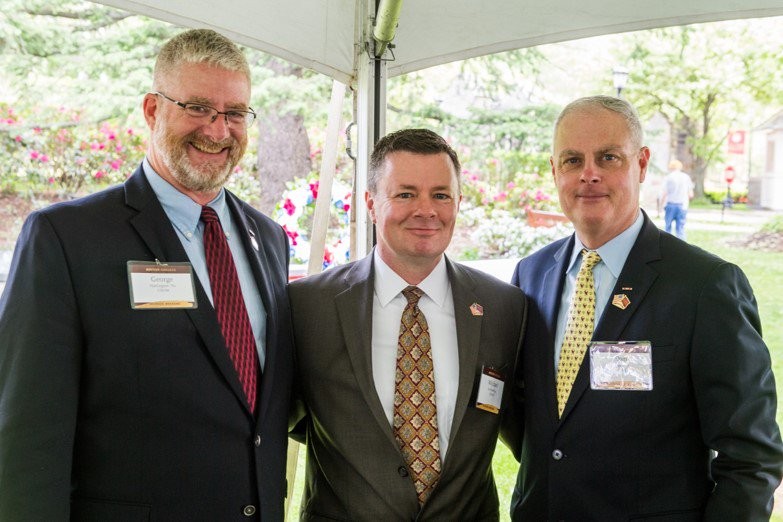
pixel 765 183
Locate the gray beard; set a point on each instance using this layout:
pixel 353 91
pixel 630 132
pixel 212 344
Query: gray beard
pixel 206 177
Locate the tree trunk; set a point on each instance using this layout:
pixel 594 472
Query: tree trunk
pixel 283 154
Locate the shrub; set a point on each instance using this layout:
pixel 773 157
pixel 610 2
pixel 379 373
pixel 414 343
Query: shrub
pixel 295 213
pixel 774 225
pixel 501 234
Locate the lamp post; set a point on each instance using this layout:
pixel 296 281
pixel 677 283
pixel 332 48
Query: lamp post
pixel 620 77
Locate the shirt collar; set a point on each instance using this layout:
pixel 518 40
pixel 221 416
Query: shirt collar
pixel 183 212
pixel 389 285
pixel 615 251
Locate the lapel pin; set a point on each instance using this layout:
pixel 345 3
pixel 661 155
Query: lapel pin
pixel 476 309
pixel 253 239
pixel 621 301
pixel 627 288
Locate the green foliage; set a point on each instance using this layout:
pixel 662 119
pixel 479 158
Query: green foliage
pixel 66 156
pixel 295 213
pixel 484 190
pixel 504 234
pixel 705 80
pixel 774 225
pixel 717 197
pixel 48 43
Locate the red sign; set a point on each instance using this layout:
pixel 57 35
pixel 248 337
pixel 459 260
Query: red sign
pixel 729 174
pixel 736 142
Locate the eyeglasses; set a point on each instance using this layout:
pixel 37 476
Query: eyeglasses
pixel 234 118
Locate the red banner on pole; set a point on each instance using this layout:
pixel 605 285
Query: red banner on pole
pixel 736 142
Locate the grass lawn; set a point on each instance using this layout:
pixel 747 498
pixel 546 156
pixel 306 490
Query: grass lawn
pixel 765 272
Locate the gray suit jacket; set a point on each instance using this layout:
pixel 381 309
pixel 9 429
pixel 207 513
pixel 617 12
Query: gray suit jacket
pixel 355 470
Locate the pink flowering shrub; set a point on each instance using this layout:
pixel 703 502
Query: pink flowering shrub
pixel 53 150
pixel 295 212
pixel 526 190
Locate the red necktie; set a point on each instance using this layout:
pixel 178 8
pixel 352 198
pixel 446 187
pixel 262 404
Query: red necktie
pixel 229 304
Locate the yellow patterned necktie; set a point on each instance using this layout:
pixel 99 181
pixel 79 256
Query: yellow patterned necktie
pixel 579 329
pixel 415 419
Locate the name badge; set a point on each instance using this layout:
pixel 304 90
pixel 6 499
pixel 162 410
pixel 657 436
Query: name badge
pixel 490 391
pixel 621 365
pixel 155 285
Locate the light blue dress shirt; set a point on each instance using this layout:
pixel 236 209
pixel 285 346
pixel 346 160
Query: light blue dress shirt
pixel 613 255
pixel 185 215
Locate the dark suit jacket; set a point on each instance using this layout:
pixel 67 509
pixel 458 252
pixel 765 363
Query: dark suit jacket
pixel 621 455
pixel 355 470
pixel 114 414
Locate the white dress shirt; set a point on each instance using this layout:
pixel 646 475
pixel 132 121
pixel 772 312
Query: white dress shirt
pixel 437 304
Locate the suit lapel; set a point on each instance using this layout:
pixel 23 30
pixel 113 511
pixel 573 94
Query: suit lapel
pixel 551 290
pixel 255 247
pixel 354 311
pixel 634 281
pixel 468 339
pixel 151 221
pixel 155 229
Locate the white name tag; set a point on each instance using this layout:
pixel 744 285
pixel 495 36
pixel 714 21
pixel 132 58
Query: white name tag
pixel 621 365
pixel 490 393
pixel 156 285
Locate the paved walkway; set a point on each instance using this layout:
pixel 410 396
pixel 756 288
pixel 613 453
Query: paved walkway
pixel 729 220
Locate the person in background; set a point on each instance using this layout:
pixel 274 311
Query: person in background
pixel 677 193
pixel 646 386
pixel 404 358
pixel 145 345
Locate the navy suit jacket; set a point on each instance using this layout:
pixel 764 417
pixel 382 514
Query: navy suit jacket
pixel 110 413
pixel 620 455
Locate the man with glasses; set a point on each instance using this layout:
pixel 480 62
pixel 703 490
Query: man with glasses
pixel 145 350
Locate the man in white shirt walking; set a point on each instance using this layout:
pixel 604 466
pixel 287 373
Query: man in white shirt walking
pixel 677 192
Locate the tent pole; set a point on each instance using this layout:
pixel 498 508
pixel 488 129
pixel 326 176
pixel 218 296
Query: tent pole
pixel 328 164
pixel 370 120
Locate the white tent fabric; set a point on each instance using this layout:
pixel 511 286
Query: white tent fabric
pixel 326 35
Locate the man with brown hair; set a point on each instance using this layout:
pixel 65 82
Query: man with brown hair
pixel 404 357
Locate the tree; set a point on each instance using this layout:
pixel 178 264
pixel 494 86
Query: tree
pixel 705 80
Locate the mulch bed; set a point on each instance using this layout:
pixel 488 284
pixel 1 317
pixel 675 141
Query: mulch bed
pixel 763 241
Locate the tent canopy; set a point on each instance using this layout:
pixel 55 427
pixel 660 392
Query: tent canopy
pixel 327 35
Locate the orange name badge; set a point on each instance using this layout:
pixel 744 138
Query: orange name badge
pixel 161 286
pixel 490 391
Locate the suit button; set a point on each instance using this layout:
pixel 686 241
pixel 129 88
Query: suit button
pixel 257 440
pixel 249 510
pixel 557 454
pixel 403 471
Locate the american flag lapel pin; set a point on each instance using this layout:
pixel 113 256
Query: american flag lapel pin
pixel 621 301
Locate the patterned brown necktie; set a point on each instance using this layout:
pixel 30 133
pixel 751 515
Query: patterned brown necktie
pixel 579 329
pixel 415 418
pixel 230 305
